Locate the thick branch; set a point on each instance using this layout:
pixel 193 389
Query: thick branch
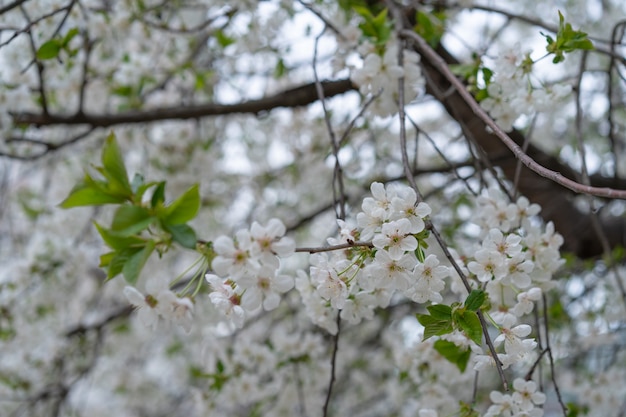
pixel 295 97
pixel 558 207
pixel 441 66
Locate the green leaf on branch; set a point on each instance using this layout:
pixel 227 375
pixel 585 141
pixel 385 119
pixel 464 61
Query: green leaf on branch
pixel 434 327
pixel 377 28
pixel 114 241
pixel 184 208
pixel 280 69
pixel 567 40
pixel 430 26
pixel 115 261
pixel 222 39
pixel 49 49
pixel 158 196
pixel 53 47
pixel 453 353
pixel 182 234
pixel 438 323
pixel 113 167
pixel 440 311
pixel 467 321
pixel 89 195
pixel 69 36
pixel 129 220
pixel 135 263
pixel 475 300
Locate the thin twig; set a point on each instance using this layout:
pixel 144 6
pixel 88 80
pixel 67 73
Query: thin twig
pixel 335 247
pixel 549 349
pixel 333 363
pixel 338 188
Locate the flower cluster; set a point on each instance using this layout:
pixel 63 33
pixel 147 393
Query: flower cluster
pixel 524 401
pixel 246 275
pixel 514 265
pixel 365 277
pixel 510 91
pixel 380 74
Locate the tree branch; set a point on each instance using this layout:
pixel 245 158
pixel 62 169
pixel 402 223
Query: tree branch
pixel 573 224
pixel 294 97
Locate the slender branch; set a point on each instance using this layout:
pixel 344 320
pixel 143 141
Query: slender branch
pixel 338 188
pixel 48 146
pixel 335 247
pixel 549 349
pixel 440 64
pixel 10 6
pixel 333 362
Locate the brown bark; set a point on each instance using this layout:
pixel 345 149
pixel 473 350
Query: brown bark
pixel 294 97
pixel 576 226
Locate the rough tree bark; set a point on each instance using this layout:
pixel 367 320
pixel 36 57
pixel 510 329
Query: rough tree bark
pixel 581 237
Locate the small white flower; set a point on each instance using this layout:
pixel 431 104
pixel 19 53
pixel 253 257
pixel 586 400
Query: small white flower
pixel 526 394
pixel 225 300
pixel 489 264
pixel 429 283
pixel 332 288
pixel 145 305
pixel 234 260
pixel 390 273
pixel 513 338
pixel 526 301
pixel 396 238
pixel 175 309
pixel 269 242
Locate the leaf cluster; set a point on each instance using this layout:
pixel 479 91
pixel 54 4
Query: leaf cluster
pixel 474 73
pixel 443 319
pixel 377 28
pixel 140 225
pixel 430 26
pixel 567 40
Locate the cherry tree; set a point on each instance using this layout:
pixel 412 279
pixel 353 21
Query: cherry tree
pixel 312 208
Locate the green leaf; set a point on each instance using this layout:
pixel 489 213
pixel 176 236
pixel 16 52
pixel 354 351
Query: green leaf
pixel 433 326
pixel 440 311
pixel 158 196
pixel 116 242
pixel 106 259
pixel 419 252
pixel 182 234
pixel 113 166
pixel 280 69
pixel 69 36
pixel 222 39
pixel 453 353
pixel 430 27
pixel 87 195
pixel 135 263
pixel 49 50
pixel 123 91
pixel 475 300
pixel 184 208
pixel 377 28
pixel 115 261
pixel 129 220
pixel 469 323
